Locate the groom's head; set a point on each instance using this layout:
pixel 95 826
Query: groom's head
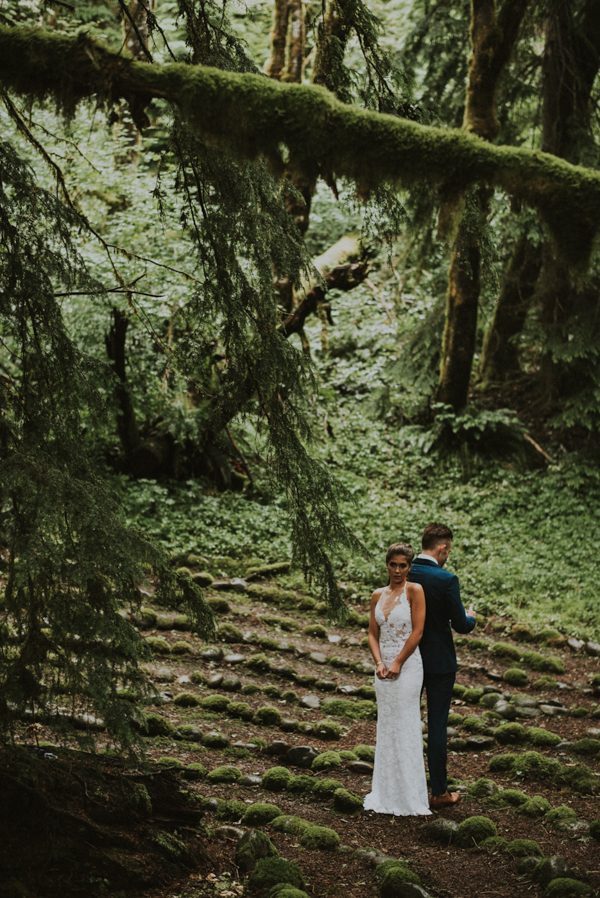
pixel 437 542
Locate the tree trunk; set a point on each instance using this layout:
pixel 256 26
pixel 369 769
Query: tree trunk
pixel 115 347
pixel 492 40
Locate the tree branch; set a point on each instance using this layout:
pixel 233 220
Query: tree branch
pixel 251 114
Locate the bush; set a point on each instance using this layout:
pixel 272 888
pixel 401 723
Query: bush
pixel 474 830
pixel 515 676
pixel 260 813
pixel 270 871
pixel 347 802
pixel 276 779
pixel 321 837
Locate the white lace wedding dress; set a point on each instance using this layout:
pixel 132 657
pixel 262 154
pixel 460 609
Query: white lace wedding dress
pixel 399 786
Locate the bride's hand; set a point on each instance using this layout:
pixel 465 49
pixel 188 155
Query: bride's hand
pixel 381 671
pixel 393 671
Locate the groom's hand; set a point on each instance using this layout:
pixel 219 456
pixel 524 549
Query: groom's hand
pixel 394 670
pixel 471 612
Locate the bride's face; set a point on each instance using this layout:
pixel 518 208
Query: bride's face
pixel 398 568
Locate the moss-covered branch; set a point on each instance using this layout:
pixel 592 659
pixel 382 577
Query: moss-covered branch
pixel 252 114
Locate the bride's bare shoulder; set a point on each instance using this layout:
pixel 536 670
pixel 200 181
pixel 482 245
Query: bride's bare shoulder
pixel 377 594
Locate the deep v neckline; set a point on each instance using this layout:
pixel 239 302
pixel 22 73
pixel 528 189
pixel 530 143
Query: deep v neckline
pixel 395 605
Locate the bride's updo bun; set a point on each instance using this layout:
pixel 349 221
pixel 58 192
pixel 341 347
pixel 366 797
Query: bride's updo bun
pixel 400 549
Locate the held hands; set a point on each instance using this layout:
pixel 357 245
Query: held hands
pixel 393 671
pixel 381 671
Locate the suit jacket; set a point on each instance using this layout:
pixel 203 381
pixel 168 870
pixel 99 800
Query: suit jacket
pixel 444 610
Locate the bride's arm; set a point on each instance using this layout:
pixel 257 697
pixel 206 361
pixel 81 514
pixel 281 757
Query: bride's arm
pixel 380 669
pixel 416 597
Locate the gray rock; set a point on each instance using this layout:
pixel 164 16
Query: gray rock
pixel 528 712
pixel 214 653
pixel 215 679
pixel 248 746
pixel 451 731
pixel 348 689
pixel 593 648
pixel 301 756
pixel 594 732
pixel 552 710
pixel 334 638
pixel 360 767
pixel 441 830
pixel 278 747
pixel 317 657
pixel 250 779
pixel 458 744
pixel 371 856
pixel 239 584
pixel 222 585
pixel 550 868
pixel 505 710
pixel 310 701
pixel 480 743
pixel 284 646
pixel 575 644
pixel 288 724
pixel 233 658
pixel 410 890
pixel 488 690
pixel 163 675
pixel 494 674
pixel 521 700
pixel 184 680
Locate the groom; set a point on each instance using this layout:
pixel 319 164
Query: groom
pixel 444 610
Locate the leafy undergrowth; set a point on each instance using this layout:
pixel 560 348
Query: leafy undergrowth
pixel 271 728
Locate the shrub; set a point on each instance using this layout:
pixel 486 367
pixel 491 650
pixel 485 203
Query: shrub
pixel 347 802
pixel 515 676
pixel 276 779
pixel 270 871
pixel 327 760
pixel 224 774
pixel 320 837
pixel 474 830
pixel 186 700
pixel 260 813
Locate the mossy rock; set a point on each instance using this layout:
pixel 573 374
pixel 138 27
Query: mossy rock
pixel 392 875
pixel 242 710
pixel 195 771
pixel 258 662
pixel 317 630
pixel 229 633
pixel 224 774
pixel 472 831
pixel 326 760
pixel 581 779
pixel 454 718
pixel 303 783
pixel 510 733
pixel 276 779
pixel 473 695
pixel 259 571
pixel 490 699
pixel 173 622
pixel 230 809
pixel 253 846
pixel 186 700
pixel 170 763
pixel 289 823
pixel 595 830
pixel 260 813
pixel 320 837
pixel 216 702
pixel 171 846
pixel 564 887
pixel 219 605
pixel 267 715
pixel 524 848
pixel 542 737
pixel 158 645
pixel 189 732
pixel 544 682
pixel 522 633
pixel 494 843
pixel 182 647
pixel 326 787
pixel 157 725
pixel 587 746
pixel 145 618
pixel 503 762
pixel 559 815
pixel 326 729
pixel 347 802
pixel 215 740
pixel 482 788
pixel 355 710
pixel 536 806
pixel 271 871
pixel 534 765
pixel 505 650
pixel 284 890
pixel 365 752
pixel 515 676
pixel 549 663
pixel 513 797
pixel 458 690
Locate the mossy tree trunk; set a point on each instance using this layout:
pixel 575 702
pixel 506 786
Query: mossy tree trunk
pixel 493 36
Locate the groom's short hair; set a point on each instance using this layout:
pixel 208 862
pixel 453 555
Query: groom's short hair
pixel 434 534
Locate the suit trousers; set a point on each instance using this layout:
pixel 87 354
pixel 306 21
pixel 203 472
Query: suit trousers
pixel 439 695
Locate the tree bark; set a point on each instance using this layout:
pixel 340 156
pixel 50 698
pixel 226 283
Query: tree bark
pixel 115 347
pixel 276 62
pixel 492 39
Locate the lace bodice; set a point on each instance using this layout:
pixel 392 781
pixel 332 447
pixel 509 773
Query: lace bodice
pixel 395 630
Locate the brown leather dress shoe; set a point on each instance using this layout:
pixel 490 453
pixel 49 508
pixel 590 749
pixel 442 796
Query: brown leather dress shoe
pixel 448 799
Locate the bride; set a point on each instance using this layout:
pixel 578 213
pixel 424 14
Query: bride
pixel 396 625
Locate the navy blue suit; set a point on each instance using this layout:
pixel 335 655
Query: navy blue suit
pixel 444 612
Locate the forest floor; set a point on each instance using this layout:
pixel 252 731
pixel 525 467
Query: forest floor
pixel 282 687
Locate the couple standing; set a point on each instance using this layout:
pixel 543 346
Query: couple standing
pixel 417 609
